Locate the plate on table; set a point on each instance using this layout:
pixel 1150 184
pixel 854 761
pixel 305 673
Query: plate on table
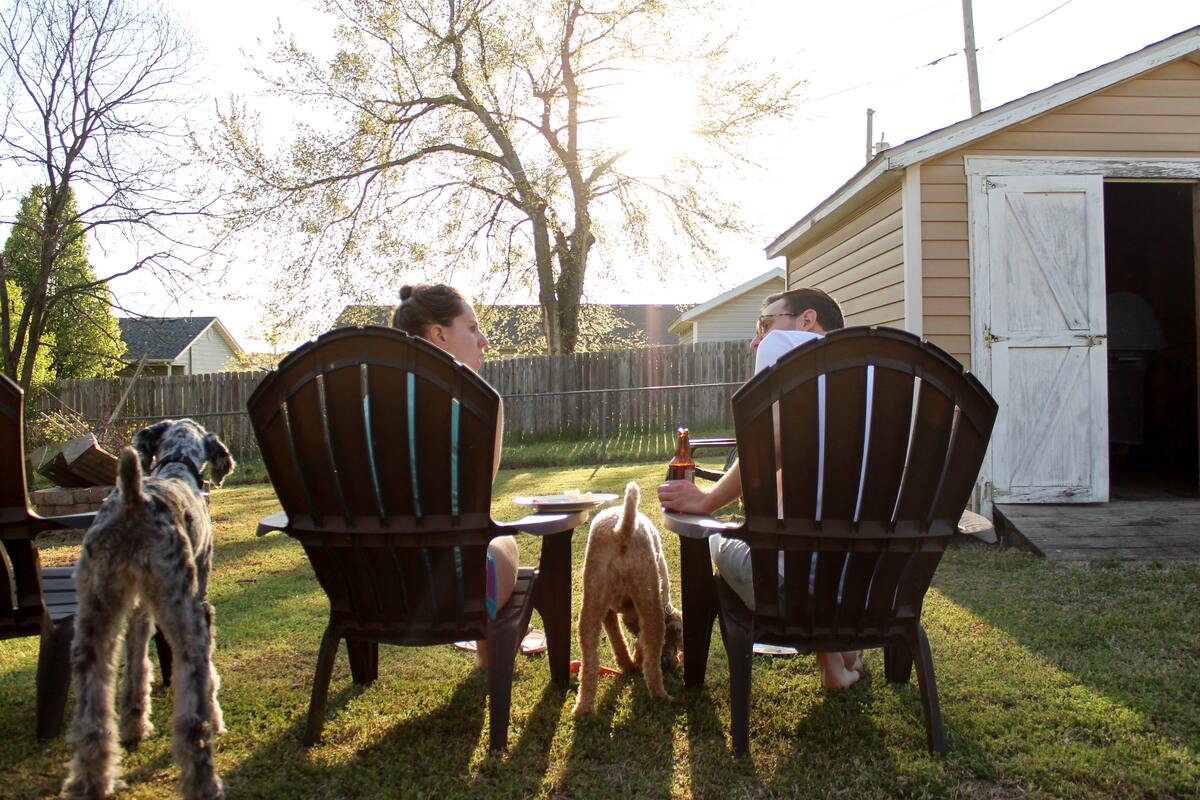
pixel 569 501
pixel 763 649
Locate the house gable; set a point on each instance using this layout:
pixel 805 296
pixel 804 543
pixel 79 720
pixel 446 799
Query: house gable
pixel 1143 106
pixel 886 166
pixel 192 344
pixel 731 314
pixel 209 352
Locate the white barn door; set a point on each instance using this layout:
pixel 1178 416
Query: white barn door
pixel 1044 336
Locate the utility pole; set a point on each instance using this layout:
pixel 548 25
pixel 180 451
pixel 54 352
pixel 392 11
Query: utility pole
pixel 969 51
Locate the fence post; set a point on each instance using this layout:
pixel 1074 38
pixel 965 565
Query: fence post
pixel 604 428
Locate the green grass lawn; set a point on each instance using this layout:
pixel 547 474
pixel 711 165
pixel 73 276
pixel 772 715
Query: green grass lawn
pixel 1056 681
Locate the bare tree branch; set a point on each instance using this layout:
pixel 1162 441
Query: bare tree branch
pixel 468 130
pixel 91 107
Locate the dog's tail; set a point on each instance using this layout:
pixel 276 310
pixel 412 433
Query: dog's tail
pixel 629 513
pixel 129 478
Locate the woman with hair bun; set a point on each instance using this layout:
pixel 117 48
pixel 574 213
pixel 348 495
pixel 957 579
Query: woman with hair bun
pixel 440 315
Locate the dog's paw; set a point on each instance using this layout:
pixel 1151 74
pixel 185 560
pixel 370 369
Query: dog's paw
pixel 133 731
pixel 583 709
pixel 215 791
pixel 78 787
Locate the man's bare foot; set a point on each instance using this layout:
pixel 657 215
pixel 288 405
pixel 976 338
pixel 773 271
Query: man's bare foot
pixel 834 674
pixel 853 659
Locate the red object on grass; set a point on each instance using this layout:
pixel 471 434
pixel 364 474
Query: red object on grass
pixel 576 663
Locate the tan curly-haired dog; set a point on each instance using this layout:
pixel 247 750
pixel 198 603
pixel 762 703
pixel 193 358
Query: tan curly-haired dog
pixel 625 572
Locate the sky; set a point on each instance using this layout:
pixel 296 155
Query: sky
pixel 902 58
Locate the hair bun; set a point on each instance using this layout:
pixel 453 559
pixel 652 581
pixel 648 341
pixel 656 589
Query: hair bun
pixel 405 292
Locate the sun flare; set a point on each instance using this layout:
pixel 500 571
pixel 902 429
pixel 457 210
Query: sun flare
pixel 652 113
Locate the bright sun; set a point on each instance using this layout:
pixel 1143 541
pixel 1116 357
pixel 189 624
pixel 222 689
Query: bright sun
pixel 652 113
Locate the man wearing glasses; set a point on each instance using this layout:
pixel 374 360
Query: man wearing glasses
pixel 787 321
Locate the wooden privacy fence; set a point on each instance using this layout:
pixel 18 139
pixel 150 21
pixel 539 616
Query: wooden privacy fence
pixel 582 395
pixel 216 400
pixel 598 394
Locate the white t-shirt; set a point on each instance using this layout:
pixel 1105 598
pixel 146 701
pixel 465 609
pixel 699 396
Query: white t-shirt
pixel 776 343
pixel 772 347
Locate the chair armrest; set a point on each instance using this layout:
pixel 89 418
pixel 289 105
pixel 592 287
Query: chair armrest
pixel 698 444
pixel 78 522
pixel 713 475
pixel 695 526
pixel 272 523
pixel 972 524
pixel 544 524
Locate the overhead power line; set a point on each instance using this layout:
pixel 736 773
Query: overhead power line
pixel 1033 21
pixel 934 62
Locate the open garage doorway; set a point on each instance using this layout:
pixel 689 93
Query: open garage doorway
pixel 1150 267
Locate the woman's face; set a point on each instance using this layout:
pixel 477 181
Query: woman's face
pixel 462 338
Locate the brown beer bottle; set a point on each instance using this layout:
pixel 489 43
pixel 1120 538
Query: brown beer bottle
pixel 682 467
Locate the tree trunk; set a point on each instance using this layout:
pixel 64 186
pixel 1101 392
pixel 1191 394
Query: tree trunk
pixel 544 258
pixel 571 264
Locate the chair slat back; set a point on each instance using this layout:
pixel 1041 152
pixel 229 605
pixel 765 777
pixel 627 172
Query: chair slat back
pixel 858 454
pixel 12 451
pixel 21 606
pixel 380 447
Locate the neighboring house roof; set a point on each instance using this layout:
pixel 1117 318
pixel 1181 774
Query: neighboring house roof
pixel 884 169
pixel 754 283
pixel 650 318
pixel 165 339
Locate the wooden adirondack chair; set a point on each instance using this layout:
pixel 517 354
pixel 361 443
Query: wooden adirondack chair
pixel 862 538
pixel 380 447
pixel 33 601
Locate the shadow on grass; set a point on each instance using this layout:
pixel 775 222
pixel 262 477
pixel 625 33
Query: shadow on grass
pixel 627 756
pixel 711 765
pixel 228 551
pixel 282 766
pixel 530 752
pixel 865 741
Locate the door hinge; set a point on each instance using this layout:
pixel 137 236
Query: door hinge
pixel 988 183
pixel 990 338
pixel 1094 339
pixel 989 492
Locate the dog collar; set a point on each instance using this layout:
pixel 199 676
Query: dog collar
pixel 195 473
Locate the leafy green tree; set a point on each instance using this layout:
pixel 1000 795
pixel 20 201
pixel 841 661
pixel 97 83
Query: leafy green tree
pixel 80 336
pixel 13 307
pixel 521 333
pixel 449 134
pixel 86 95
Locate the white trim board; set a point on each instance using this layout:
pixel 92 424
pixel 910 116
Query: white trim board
pixel 914 273
pixel 871 173
pixel 1108 166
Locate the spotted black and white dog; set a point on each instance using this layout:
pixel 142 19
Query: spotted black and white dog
pixel 147 558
